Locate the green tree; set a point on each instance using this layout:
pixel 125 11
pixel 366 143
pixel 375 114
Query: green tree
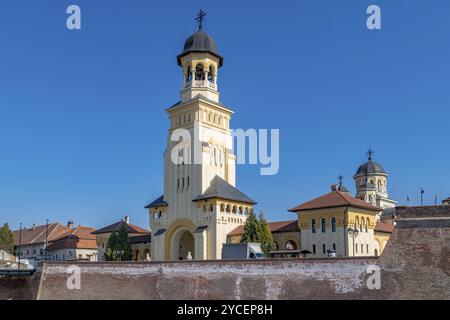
pixel 6 239
pixel 257 230
pixel 118 247
pixel 250 229
pixel 264 235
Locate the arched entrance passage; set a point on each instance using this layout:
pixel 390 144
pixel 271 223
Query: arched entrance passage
pixel 183 243
pixel 179 240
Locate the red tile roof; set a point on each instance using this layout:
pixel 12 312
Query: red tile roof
pixel 334 199
pixel 384 227
pixel 78 238
pixel 276 226
pixel 37 234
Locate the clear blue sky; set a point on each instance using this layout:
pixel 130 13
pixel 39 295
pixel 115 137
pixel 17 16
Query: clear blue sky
pixel 82 121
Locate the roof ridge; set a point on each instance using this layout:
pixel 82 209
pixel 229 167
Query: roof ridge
pixel 341 194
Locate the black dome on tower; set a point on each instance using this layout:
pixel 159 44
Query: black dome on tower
pixel 200 41
pixel 370 167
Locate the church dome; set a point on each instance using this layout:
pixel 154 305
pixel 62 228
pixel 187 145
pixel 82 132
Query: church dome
pixel 370 167
pixel 200 41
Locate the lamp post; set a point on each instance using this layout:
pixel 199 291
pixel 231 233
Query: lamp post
pixel 46 241
pixel 353 232
pixel 20 244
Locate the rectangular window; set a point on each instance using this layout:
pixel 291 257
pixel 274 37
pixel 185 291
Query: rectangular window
pixel 314 249
pixel 313 225
pixel 334 246
pixel 323 249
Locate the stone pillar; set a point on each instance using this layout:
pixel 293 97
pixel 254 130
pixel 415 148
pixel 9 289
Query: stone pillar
pixel 201 248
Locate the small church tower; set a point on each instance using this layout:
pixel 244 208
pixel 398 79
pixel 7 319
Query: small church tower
pixel 371 183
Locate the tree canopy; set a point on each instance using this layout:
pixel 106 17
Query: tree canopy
pixel 6 239
pixel 118 247
pixel 257 230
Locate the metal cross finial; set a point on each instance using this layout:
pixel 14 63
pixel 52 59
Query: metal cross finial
pixel 341 180
pixel 370 153
pixel 200 17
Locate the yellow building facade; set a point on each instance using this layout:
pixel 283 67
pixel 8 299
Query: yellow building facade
pixel 337 222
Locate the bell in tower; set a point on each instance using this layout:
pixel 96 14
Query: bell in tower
pixel 200 63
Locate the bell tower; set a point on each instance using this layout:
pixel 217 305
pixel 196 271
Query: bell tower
pixel 200 203
pixel 199 63
pixel 371 183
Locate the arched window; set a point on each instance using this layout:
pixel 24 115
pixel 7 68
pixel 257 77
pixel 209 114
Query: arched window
pixel 380 186
pixel 211 74
pixel 228 208
pixel 333 224
pixel 356 222
pixel 356 248
pixel 160 214
pixel 188 74
pixel 211 208
pixel 155 215
pixel 276 246
pixel 313 225
pixel 367 224
pixel 234 209
pixel 222 207
pixel 290 245
pixel 367 248
pixel 376 252
pixel 199 72
pixel 323 225
pixel 241 210
pixel 362 248
pixel 205 209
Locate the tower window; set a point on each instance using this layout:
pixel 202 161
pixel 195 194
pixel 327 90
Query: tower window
pixel 188 74
pixel 199 72
pixel 211 74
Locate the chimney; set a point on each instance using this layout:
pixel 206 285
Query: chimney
pixel 70 224
pixel 127 219
pixel 334 187
pixel 34 226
